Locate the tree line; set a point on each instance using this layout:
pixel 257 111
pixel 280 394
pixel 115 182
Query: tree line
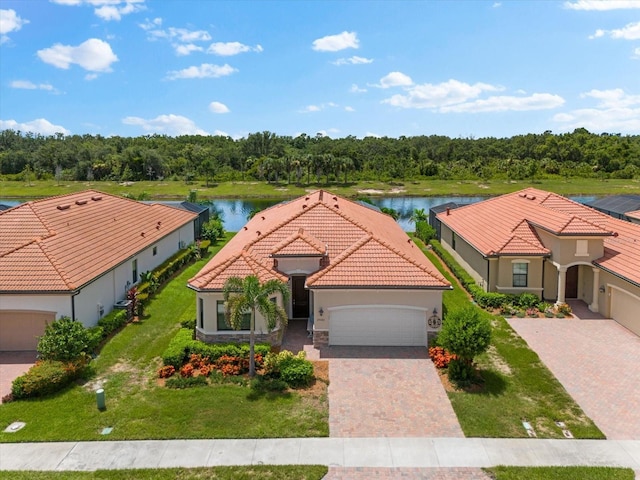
pixel 308 159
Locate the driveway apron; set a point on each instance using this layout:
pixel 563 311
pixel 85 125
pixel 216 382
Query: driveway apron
pixel 386 392
pixel 597 363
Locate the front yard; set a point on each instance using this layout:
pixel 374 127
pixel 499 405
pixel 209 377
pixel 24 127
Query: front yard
pixel 517 386
pixel 139 408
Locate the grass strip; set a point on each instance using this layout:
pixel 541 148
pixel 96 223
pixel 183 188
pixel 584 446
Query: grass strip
pixel 560 473
pixel 253 472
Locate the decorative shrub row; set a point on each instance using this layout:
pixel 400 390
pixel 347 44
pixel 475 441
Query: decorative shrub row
pixel 115 320
pixel 46 377
pixel 295 370
pixel 153 280
pixel 182 346
pixel 424 231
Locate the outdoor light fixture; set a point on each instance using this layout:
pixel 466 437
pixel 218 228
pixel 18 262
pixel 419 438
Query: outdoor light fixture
pixel 601 289
pixel 434 320
pixel 321 311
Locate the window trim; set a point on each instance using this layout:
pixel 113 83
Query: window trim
pixel 520 275
pixel 134 270
pixel 201 312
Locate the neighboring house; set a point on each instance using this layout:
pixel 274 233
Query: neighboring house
pixel 77 255
pixel 543 243
pixel 435 210
pixel 351 269
pixel 619 206
pixel 201 210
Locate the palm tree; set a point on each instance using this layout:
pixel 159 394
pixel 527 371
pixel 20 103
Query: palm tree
pixel 418 215
pixel 246 295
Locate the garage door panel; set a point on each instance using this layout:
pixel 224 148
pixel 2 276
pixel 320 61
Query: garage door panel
pixel 19 330
pixel 378 327
pixel 625 309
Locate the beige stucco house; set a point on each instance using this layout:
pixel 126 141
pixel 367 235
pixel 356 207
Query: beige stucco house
pixel 350 268
pixel 543 243
pixel 76 255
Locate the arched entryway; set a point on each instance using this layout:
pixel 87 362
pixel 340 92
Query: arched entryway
pixel 571 286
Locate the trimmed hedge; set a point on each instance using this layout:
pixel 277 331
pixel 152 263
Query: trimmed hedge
pixel 115 320
pixel 47 377
pixel 182 346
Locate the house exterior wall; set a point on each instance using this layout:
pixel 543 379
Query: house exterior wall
pixel 61 304
pixel 299 265
pixel 564 249
pixel 209 332
pixel 505 275
pixel 550 284
pixel 467 256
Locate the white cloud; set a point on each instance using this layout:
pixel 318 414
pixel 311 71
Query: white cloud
pixel 395 79
pixel 601 5
pixel 94 55
pixel 614 98
pixel 371 134
pixel 503 103
pixel 335 43
pixel 630 31
pixel 184 35
pixel 107 9
pixel 217 107
pixel 356 89
pixel 187 48
pixel 616 111
pixel 355 60
pixel 227 49
pixel 497 5
pixel 311 108
pixel 349 109
pixel 9 22
pixel 206 70
pixel 636 54
pixel 444 94
pixel 28 85
pixel 166 124
pixel 181 39
pixel 39 125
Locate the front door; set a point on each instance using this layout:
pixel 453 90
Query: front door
pixel 299 297
pixel 571 285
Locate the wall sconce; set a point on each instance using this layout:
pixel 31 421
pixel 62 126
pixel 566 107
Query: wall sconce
pixel 601 289
pixel 321 311
pixel 434 320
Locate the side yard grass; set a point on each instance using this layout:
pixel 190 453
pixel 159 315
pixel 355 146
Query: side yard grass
pixel 560 473
pixel 517 385
pixel 254 472
pixel 139 408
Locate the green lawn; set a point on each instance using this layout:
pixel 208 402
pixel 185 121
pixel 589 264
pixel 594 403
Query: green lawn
pixel 174 189
pixel 254 472
pixel 560 473
pixel 138 408
pixel 517 386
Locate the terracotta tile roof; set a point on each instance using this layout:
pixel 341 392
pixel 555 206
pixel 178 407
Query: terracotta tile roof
pixel 497 226
pixel 63 242
pixel 300 243
pixel 322 223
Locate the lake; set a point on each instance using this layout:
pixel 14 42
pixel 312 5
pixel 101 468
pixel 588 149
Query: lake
pixel 234 211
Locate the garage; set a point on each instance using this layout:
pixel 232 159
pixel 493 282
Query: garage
pixel 377 326
pixel 20 329
pixel 625 309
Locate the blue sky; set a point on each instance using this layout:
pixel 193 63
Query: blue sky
pixel 381 68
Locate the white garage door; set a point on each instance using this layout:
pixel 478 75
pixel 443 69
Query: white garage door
pixel 382 326
pixel 19 329
pixel 625 309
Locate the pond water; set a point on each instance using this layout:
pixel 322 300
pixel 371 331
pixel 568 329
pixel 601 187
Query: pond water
pixel 234 212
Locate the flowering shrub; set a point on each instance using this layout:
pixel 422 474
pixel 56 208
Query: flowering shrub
pixel 231 365
pixel 166 371
pixel 440 357
pixel 532 312
pixel 187 370
pixel 564 308
pixel 206 369
pixel 198 360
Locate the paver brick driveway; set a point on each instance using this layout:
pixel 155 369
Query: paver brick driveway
pixel 597 361
pixel 387 392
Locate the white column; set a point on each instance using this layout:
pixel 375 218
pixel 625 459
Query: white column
pixel 562 279
pixel 594 307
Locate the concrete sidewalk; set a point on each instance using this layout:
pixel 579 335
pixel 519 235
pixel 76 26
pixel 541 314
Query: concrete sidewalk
pixel 344 452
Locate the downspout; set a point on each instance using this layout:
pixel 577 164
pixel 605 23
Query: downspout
pixel 73 306
pixel 544 260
